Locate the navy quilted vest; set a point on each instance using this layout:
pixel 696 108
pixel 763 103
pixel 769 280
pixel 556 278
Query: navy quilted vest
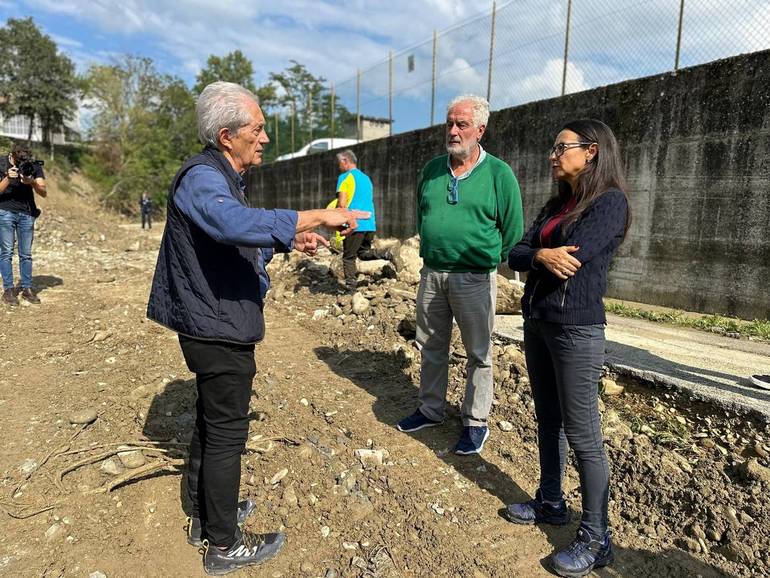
pixel 202 288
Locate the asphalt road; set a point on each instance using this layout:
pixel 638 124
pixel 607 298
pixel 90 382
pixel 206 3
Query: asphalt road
pixel 710 366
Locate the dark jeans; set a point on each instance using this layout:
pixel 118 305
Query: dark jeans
pixel 356 245
pixel 147 219
pixel 565 364
pixel 224 374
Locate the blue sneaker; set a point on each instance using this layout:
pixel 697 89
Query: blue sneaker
pixel 472 440
pixel 583 555
pixel 538 512
pixel 416 421
pixel 195 531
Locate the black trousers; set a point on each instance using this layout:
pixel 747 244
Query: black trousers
pixel 146 219
pixel 356 245
pixel 224 374
pixel 565 364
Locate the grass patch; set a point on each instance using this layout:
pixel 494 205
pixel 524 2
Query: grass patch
pixel 756 329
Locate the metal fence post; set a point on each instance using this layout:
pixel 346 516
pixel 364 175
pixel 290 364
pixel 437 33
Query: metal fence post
pixel 433 80
pixel 331 114
pixel 491 51
pixel 358 103
pixel 293 123
pixel 276 135
pixel 310 115
pixel 566 49
pixel 390 93
pixel 679 35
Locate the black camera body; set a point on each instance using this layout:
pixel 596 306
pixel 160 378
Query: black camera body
pixel 27 166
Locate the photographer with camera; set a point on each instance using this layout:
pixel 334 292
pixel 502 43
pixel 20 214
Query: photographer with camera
pixel 21 176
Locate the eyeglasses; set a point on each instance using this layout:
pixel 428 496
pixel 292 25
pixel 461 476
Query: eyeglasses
pixel 454 191
pixel 559 149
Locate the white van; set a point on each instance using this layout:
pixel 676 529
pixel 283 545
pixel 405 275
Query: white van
pixel 319 145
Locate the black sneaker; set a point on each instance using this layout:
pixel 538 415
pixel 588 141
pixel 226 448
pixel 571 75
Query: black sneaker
pixel 538 512
pixel 195 532
pixel 248 550
pixel 583 555
pixel 762 381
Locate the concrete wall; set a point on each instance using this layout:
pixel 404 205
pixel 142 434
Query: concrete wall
pixel 696 149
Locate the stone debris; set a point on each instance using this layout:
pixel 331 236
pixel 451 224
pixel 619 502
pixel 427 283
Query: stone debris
pixel 610 387
pixel 83 416
pixel 112 467
pixel 360 304
pixel 279 475
pixel 371 458
pixel 132 459
pixel 505 425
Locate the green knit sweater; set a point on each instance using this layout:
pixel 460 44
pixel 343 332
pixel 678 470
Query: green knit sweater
pixel 477 233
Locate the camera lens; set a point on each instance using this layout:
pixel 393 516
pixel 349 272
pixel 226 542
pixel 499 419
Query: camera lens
pixel 27 169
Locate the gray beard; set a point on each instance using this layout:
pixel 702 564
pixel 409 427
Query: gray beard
pixel 459 152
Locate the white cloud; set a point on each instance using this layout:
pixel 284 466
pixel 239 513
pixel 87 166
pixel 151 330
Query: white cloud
pixel 332 38
pixel 609 41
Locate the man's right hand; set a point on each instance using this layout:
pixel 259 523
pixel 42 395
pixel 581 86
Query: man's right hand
pixel 343 220
pixel 13 173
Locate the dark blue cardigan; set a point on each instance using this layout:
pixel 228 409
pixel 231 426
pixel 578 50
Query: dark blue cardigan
pixel 578 300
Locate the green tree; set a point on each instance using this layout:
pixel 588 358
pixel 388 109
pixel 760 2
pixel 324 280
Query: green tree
pixel 143 127
pixel 234 67
pixel 300 90
pixel 35 80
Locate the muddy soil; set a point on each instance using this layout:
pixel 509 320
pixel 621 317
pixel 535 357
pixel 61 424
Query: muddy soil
pixel 689 481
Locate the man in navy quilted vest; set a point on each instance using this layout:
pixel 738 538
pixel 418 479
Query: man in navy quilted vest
pixel 209 287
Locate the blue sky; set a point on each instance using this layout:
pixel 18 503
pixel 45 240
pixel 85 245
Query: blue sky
pixel 611 41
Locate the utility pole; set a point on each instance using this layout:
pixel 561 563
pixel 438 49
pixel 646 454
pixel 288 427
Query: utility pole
pixel 679 35
pixel 491 52
pixel 390 93
pixel 433 80
pixel 358 103
pixel 566 49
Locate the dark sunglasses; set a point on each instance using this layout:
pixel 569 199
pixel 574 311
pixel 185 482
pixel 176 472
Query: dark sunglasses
pixel 454 191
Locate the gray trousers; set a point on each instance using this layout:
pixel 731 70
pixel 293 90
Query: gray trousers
pixel 470 299
pixel 565 364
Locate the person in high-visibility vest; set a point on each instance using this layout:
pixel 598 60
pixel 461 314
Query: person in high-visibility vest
pixel 355 191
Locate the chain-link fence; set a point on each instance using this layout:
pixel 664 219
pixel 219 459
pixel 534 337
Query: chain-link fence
pixel 526 50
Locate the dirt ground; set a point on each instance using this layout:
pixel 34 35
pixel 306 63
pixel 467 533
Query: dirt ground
pixel 689 482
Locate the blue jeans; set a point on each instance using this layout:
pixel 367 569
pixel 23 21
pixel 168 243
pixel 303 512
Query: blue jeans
pixel 565 364
pixel 23 227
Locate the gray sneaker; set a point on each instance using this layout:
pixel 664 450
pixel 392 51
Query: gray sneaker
pixel 195 532
pixel 249 550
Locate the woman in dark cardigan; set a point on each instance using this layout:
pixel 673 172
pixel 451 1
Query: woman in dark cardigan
pixel 567 253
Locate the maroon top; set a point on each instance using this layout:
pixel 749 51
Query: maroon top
pixel 550 226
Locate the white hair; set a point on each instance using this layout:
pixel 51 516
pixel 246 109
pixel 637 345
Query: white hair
pixel 479 104
pixel 347 154
pixel 221 105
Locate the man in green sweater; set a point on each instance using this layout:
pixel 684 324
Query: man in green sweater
pixel 468 216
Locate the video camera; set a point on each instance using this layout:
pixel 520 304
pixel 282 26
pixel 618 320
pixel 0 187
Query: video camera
pixel 26 164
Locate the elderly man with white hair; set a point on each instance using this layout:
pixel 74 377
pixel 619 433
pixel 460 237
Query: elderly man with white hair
pixel 209 287
pixel 469 216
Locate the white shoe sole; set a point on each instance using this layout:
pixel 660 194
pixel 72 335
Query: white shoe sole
pixel 433 424
pixel 760 383
pixel 478 451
